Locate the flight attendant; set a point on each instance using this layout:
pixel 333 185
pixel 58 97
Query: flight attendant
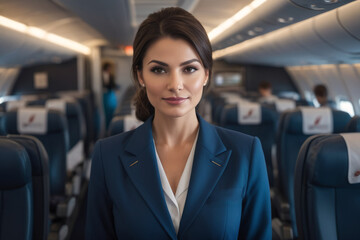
pixel 176 176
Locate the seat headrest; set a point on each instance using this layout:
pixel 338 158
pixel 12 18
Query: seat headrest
pixel 282 105
pixel 330 161
pixel 295 119
pixel 12 105
pixel 32 121
pixel 55 121
pixel 249 113
pixel 352 141
pixel 131 122
pixel 15 166
pixel 316 120
pixel 56 104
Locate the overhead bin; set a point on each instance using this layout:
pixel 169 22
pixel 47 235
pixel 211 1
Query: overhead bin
pixel 306 36
pixel 346 17
pixel 24 50
pixel 323 39
pixel 330 30
pixel 272 15
pixel 320 5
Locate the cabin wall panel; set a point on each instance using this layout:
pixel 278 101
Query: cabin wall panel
pixel 351 79
pixel 278 77
pixel 61 77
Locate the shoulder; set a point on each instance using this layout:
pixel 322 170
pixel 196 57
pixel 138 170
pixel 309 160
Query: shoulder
pixel 233 138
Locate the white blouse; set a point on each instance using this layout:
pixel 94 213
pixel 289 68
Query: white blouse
pixel 175 203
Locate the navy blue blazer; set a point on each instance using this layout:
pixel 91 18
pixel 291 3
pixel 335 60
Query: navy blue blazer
pixel 228 195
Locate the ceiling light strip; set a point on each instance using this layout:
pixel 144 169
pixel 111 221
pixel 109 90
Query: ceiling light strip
pixel 234 19
pixel 43 35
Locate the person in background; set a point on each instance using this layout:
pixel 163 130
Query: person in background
pixel 176 176
pixel 109 96
pixel 265 91
pixel 321 94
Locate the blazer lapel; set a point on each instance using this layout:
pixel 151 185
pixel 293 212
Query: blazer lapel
pixel 142 169
pixel 210 160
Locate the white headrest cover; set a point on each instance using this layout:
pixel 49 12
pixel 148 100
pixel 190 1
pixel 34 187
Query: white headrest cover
pixel 317 120
pixel 284 104
pixel 249 113
pixel 131 122
pixel 352 141
pixel 32 120
pixel 56 104
pixel 15 104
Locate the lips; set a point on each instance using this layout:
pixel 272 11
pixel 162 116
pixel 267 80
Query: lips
pixel 175 100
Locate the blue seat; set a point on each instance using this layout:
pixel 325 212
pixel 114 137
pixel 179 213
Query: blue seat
pixel 354 124
pixel 327 205
pixel 56 142
pixel 265 130
pixel 121 124
pixel 16 201
pixel 40 182
pixel 289 140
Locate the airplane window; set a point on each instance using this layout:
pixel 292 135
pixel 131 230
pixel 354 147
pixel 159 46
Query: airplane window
pixel 227 79
pixel 346 106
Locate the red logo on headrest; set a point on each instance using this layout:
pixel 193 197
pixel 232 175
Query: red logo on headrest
pixel 317 121
pixel 30 120
pixel 249 114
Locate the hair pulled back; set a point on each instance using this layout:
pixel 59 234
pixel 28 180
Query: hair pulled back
pixel 171 22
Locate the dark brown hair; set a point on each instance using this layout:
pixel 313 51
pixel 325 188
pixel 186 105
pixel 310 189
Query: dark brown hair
pixel 171 22
pixel 320 90
pixel 265 85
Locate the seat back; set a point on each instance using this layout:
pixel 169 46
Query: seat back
pixel 293 133
pixel 264 129
pixel 53 135
pixel 327 204
pixel 73 113
pixel 121 124
pixel 354 124
pixel 40 182
pixel 16 195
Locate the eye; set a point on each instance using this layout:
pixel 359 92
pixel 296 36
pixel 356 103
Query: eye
pixel 157 70
pixel 190 69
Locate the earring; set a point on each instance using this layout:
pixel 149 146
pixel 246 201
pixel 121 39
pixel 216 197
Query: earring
pixel 143 84
pixel 205 84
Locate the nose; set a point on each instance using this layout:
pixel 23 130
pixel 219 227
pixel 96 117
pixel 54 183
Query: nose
pixel 175 82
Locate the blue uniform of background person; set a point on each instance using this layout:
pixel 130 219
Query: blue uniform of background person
pixel 228 195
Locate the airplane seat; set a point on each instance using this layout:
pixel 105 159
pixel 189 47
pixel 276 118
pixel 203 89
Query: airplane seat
pixel 294 128
pixel 40 182
pixel 76 125
pixel 16 215
pixel 353 125
pixel 255 120
pixel 50 127
pixel 86 103
pixel 126 102
pixel 327 187
pixel 121 124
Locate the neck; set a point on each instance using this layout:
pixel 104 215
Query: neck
pixel 173 131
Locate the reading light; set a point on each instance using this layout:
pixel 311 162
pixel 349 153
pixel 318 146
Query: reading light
pixel 43 35
pixel 234 19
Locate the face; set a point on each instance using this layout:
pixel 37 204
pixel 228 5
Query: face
pixel 173 76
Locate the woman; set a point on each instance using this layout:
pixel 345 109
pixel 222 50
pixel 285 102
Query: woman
pixel 176 176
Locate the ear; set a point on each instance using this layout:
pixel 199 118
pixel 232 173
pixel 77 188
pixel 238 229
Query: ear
pixel 140 78
pixel 206 79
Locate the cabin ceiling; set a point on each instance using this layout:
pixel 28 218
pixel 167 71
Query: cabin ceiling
pixel 114 22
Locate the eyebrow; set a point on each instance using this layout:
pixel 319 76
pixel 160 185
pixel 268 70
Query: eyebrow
pixel 181 64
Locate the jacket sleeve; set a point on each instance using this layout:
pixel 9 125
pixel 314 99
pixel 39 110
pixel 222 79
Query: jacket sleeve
pixel 256 216
pixel 99 217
